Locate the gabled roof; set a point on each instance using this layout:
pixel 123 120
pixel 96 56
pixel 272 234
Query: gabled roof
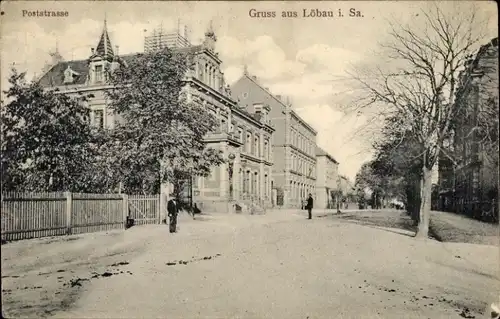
pixel 247 77
pixel 190 49
pixel 55 76
pixel 322 152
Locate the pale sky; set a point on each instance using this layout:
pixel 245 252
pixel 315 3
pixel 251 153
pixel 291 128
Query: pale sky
pixel 304 58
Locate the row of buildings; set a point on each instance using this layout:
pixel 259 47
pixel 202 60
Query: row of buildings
pixel 272 156
pixel 468 167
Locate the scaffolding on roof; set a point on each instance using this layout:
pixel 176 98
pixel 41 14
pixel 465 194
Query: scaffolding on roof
pixel 160 39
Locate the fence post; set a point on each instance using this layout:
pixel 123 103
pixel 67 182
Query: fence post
pixel 161 207
pixel 69 208
pixel 125 210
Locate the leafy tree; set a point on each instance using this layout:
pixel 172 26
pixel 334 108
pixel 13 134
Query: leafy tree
pixel 161 127
pixel 420 81
pixel 398 160
pixel 46 138
pixel 101 172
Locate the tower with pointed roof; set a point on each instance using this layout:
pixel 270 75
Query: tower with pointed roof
pixel 101 59
pixel 104 47
pixel 210 38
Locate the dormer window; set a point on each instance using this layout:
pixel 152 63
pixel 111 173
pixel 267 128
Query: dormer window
pixel 99 74
pixel 69 75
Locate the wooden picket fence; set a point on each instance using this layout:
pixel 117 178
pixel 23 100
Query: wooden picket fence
pixel 35 215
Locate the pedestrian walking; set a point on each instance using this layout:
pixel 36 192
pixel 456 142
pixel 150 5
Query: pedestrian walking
pixel 173 210
pixel 309 206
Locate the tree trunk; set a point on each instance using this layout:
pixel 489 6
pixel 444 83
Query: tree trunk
pixel 425 203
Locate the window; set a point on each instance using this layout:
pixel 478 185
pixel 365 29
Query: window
pixel 215 79
pixel 240 134
pixel 246 182
pixel 98 73
pixel 249 143
pixel 223 125
pixel 211 80
pixel 257 147
pixel 265 186
pixel 269 151
pixel 254 183
pixel 200 72
pixel 99 118
pixel 266 154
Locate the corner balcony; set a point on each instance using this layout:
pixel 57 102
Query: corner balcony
pixel 221 135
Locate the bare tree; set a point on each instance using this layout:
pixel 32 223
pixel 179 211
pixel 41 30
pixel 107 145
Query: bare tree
pixel 420 81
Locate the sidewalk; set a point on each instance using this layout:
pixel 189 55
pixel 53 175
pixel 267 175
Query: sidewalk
pixel 445 227
pixel 452 227
pixel 277 265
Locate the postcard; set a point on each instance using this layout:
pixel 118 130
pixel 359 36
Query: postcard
pixel 249 159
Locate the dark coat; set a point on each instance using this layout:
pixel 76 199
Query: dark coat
pixel 172 207
pixel 310 203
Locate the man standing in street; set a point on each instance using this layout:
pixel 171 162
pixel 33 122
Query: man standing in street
pixel 172 209
pixel 309 206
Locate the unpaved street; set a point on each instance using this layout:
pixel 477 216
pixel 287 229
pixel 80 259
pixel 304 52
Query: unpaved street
pixel 275 266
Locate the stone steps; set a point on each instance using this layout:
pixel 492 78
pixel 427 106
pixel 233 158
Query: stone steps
pixel 248 207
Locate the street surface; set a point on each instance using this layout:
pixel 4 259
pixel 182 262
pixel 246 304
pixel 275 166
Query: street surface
pixel 278 265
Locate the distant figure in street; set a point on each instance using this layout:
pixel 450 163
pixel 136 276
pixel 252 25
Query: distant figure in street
pixel 196 210
pixel 173 210
pixel 309 206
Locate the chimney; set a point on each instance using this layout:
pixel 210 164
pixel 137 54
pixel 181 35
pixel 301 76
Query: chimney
pixel 117 50
pixel 92 50
pixel 254 78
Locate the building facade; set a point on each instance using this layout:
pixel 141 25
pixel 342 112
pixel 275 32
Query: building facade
pixel 293 145
pixel 326 179
pixel 244 137
pixel 468 172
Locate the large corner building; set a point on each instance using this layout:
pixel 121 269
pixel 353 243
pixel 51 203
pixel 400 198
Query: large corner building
pixel 469 184
pixel 293 146
pixel 244 135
